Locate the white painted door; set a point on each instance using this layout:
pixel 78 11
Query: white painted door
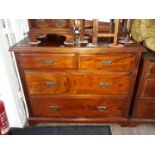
pixel 10 91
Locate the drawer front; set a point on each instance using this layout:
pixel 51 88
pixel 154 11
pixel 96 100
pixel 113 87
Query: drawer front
pixel 145 108
pixel 105 84
pixel 48 61
pixel 149 88
pixel 77 83
pixel 77 107
pixel 107 62
pixel 151 68
pixel 45 82
pixel 50 23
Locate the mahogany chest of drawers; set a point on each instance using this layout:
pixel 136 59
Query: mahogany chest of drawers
pixel 77 84
pixel 144 104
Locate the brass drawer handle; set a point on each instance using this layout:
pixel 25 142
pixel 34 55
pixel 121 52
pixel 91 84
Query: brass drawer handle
pixel 47 61
pixel 101 107
pixel 51 84
pixel 104 84
pixel 106 62
pixel 54 107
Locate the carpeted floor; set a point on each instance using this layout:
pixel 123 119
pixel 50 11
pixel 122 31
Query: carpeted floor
pixel 62 130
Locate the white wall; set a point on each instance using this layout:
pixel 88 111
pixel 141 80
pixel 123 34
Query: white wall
pixel 9 87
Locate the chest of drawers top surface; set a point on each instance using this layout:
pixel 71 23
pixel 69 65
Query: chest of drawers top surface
pixel 53 45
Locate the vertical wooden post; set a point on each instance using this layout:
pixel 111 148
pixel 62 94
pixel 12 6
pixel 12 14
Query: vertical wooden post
pixel 95 31
pixel 71 25
pixel 116 32
pixel 111 29
pixel 82 25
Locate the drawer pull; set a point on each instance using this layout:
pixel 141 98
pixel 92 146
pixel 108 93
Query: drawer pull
pixel 51 84
pixel 47 61
pixel 106 62
pixel 54 107
pixel 104 84
pixel 101 107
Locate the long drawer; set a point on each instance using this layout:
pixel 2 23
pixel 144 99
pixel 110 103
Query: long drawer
pixel 57 61
pixel 77 107
pixel 40 82
pixel 107 62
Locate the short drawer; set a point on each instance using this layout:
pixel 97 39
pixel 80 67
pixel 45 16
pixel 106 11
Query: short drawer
pixel 99 83
pixel 77 107
pixel 39 82
pixel 145 108
pixel 148 88
pixel 58 61
pixel 107 62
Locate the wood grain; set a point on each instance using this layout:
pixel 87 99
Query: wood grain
pixel 77 83
pixel 78 107
pixel 148 88
pixel 90 83
pixel 151 68
pixel 145 108
pixel 108 62
pixel 59 61
pixel 46 82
